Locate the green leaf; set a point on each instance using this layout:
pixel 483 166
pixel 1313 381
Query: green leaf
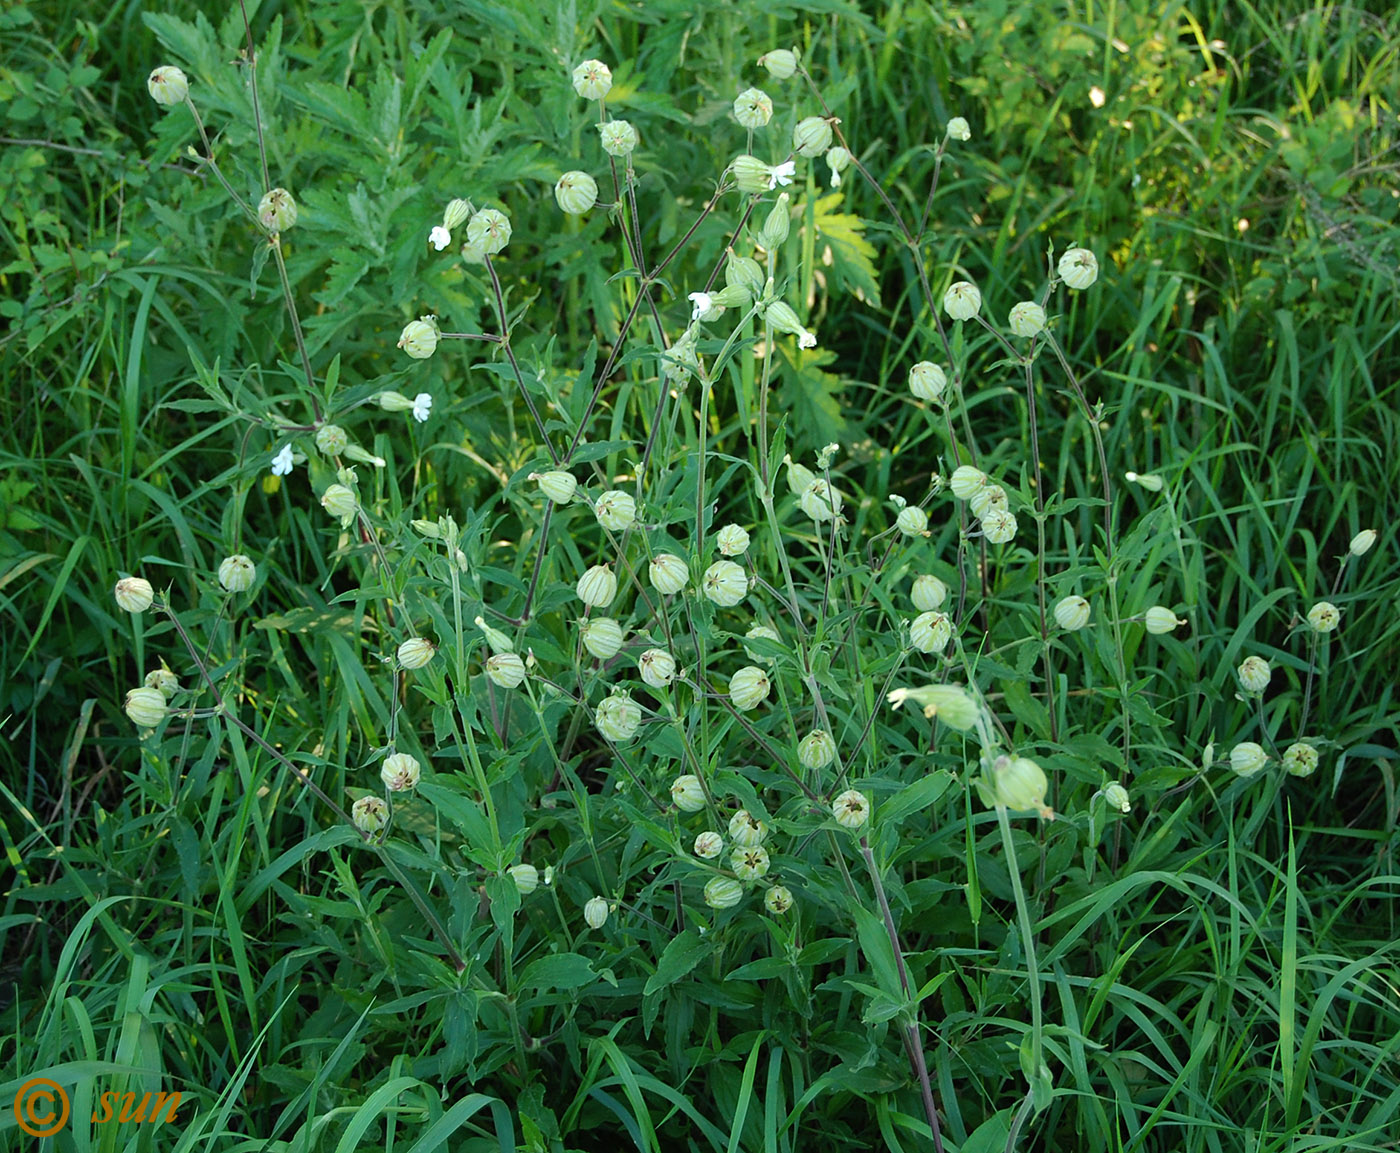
pixel 560 971
pixel 682 955
pixel 913 798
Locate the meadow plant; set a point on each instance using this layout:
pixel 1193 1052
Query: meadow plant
pixel 628 738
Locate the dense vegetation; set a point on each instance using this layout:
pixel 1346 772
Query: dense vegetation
pixel 1128 883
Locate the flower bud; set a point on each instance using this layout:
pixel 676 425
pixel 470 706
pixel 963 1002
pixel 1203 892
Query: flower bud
pixel 912 521
pixel 746 830
pixel 331 439
pixel 778 900
pixel 1026 319
pixel 557 485
pixel 592 81
pixel 1019 783
pixel 744 273
pixel 967 481
pixel 1324 616
pixel 962 301
pixel 733 540
pixel 1247 758
pixel 618 136
pixel 669 574
pixel 576 192
pixel 616 510
pixel 1362 542
pixel 415 652
pixel 780 315
pixel 927 381
pixel 816 750
pixel 820 501
pixel 838 160
pixel 1116 797
pixel 595 912
pixel 958 129
pixel 811 137
pixel 749 864
pixel 725 583
pixel 781 62
pixel 748 688
pixel 236 573
pixel 277 211
pixel 1078 268
pixel 340 502
pixel 929 592
pixel 370 814
pixel 657 668
pixel 775 229
pixel 145 707
pixel 1160 621
pixel 799 476
pixel 709 845
pixel 526 878
pixel 752 108
pixel 134 594
pixel 1072 613
pixel 1254 674
pixel 400 772
pixel 419 338
pixel 1300 759
pixel 496 640
pixel 602 636
pixel 930 632
pixel 765 633
pixel 687 793
pixel 618 717
pixel 723 892
pixel 168 85
pixel 488 231
pixel 597 587
pixel 998 526
pixel 163 681
pixel 505 670
pixel 355 452
pixel 455 213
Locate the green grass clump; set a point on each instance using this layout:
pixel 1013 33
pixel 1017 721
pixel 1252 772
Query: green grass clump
pixel 938 905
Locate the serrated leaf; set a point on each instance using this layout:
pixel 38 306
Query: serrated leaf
pixel 852 256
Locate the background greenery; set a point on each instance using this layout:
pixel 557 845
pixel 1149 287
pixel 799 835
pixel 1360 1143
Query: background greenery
pixel 1227 968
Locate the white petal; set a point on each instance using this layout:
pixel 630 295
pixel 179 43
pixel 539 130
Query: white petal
pixel 282 462
pixel 422 405
pixel 439 238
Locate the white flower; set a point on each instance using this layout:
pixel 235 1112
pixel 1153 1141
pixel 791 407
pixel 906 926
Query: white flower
pixel 1026 319
pixel 851 809
pixel 592 79
pixel 709 845
pixel 962 301
pixel 753 108
pixel 400 772
pixel 1078 268
pixel 422 405
pixel 282 462
pixel 595 912
pixel 806 339
pixel 733 540
pixel 134 594
pixel 1324 616
pixel 749 864
pixel 703 302
pixel 958 129
pixel 781 174
pixel 439 237
pixel 746 830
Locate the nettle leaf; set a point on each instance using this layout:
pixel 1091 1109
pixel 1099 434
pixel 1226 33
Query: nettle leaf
pixel 841 245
